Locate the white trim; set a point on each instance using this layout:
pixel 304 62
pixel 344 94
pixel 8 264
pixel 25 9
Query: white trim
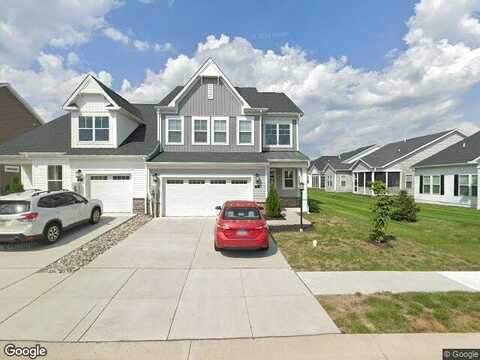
pixel 283 179
pixel 297 131
pixel 361 154
pixel 159 127
pixel 252 121
pixel 260 138
pixel 219 118
pixel 278 123
pixel 167 119
pixel 205 118
pixel 23 101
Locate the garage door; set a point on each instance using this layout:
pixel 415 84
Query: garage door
pixel 115 191
pixel 199 197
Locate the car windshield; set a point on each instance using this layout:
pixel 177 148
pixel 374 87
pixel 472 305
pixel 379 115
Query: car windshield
pixel 13 207
pixel 241 213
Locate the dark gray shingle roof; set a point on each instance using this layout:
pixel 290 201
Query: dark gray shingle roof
pixel 275 102
pixel 54 136
pixel 336 161
pixel 228 157
pixel 393 151
pixel 460 153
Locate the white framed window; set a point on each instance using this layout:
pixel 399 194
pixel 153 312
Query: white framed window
pixel 436 185
pixel 200 130
pixel 408 181
pixel 245 132
pixel 474 186
pixel 196 182
pixel 175 131
pixel 288 179
pixel 210 91
pixel 278 133
pixel 218 181
pixel 220 132
pixel 55 177
pixel 343 181
pixel 11 169
pixel 94 128
pixel 426 184
pixel 239 182
pixel 273 177
pixel 463 185
pixel 174 182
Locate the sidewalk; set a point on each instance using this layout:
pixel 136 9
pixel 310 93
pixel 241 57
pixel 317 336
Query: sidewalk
pixel 368 282
pixel 291 222
pixel 345 347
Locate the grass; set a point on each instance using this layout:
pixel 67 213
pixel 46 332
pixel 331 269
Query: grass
pixel 443 238
pixel 404 313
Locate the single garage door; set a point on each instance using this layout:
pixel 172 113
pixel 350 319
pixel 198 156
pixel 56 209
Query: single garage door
pixel 199 197
pixel 115 191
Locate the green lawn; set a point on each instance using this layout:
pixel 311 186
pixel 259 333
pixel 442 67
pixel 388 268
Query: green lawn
pixel 404 313
pixel 443 238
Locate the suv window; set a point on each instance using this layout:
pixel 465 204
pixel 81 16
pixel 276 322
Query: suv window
pixel 78 198
pixel 66 199
pixel 14 207
pixel 47 202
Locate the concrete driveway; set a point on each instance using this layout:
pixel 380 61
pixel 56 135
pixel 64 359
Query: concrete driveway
pixel 166 282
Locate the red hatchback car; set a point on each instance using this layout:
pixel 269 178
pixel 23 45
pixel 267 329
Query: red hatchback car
pixel 241 225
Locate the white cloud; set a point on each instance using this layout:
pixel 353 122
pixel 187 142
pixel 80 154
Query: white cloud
pixel 116 35
pixel 141 45
pixel 163 47
pixel 72 58
pixel 170 3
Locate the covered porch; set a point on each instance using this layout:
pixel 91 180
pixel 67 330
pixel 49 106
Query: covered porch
pixel 362 181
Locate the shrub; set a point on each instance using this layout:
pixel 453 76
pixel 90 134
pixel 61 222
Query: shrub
pixel 404 208
pixel 272 204
pixel 16 185
pixel 313 205
pixel 381 210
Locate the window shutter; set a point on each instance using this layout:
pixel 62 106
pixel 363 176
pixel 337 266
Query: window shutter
pixel 442 185
pixel 455 185
pixel 420 190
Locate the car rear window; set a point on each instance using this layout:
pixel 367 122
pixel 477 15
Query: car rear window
pixel 241 213
pixel 14 207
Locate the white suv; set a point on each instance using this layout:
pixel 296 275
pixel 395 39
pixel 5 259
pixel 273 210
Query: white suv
pixel 43 215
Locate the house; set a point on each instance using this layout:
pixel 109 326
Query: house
pixel 206 142
pixel 16 117
pixel 450 177
pixel 393 162
pixel 333 173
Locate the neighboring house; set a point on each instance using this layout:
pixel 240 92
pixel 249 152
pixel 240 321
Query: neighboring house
pixel 333 173
pixel 206 142
pixel 450 177
pixel 393 162
pixel 16 117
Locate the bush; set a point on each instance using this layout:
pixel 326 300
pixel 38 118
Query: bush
pixel 272 204
pixel 313 205
pixel 404 208
pixel 16 185
pixel 381 211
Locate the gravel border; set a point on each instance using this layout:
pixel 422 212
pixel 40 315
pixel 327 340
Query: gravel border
pixel 89 251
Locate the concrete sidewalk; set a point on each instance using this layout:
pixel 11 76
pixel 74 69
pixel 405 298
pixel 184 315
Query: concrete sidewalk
pixel 345 347
pixel 368 282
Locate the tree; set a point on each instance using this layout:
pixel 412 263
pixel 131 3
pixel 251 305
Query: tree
pixel 272 204
pixel 16 185
pixel 404 208
pixel 381 211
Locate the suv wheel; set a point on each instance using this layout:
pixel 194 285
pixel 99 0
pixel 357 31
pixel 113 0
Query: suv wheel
pixel 95 216
pixel 52 233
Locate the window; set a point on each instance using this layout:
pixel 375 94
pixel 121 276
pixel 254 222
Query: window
pixel 436 185
pixel 175 131
pixel 200 131
pixel 174 181
pixel 343 181
pixel 426 184
pixel 88 132
pixel 79 198
pixel 408 181
pixel 55 177
pixel 98 177
pixel 218 182
pixel 288 181
pixel 278 134
pixel 14 207
pixel 210 91
pixel 239 182
pixel 474 185
pixel 241 214
pixel 46 202
pixel 220 131
pixel 245 131
pixel 272 177
pixel 11 169
pixel 121 177
pixel 463 185
pixel 329 181
pixel 196 182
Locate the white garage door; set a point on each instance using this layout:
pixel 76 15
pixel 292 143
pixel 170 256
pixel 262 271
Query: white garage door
pixel 199 197
pixel 115 191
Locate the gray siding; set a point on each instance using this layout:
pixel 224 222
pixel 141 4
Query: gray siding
pixel 224 102
pixel 232 147
pixel 348 182
pixel 285 193
pixel 294 134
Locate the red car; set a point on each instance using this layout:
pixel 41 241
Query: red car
pixel 241 225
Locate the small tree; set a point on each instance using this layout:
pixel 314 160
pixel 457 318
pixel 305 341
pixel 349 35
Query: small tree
pixel 381 211
pixel 313 205
pixel 404 208
pixel 16 185
pixel 272 204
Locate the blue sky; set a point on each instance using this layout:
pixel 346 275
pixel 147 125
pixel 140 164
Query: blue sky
pixel 363 71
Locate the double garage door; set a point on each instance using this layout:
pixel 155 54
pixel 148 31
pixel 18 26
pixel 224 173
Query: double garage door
pixel 199 197
pixel 115 191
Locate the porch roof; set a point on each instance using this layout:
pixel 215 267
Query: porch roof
pixel 228 157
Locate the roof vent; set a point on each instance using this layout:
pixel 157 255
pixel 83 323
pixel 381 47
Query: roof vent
pixel 464 145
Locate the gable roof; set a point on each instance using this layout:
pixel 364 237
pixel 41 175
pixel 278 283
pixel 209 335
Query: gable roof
pixel 337 162
pixel 349 154
pixel 142 141
pixel 462 152
pixel 397 150
pixel 228 157
pixel 22 100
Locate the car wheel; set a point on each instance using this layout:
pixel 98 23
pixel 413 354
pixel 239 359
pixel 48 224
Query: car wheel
pixel 95 216
pixel 264 249
pixel 216 247
pixel 52 233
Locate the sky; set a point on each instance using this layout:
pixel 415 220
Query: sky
pixel 363 72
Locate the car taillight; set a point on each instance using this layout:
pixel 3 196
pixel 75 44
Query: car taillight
pixel 30 216
pixel 224 226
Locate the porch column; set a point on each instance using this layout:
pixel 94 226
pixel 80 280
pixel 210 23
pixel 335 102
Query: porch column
pixel 478 188
pixel 386 180
pixel 373 179
pixel 305 192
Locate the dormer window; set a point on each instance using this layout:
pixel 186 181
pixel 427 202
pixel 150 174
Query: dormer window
pixel 94 128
